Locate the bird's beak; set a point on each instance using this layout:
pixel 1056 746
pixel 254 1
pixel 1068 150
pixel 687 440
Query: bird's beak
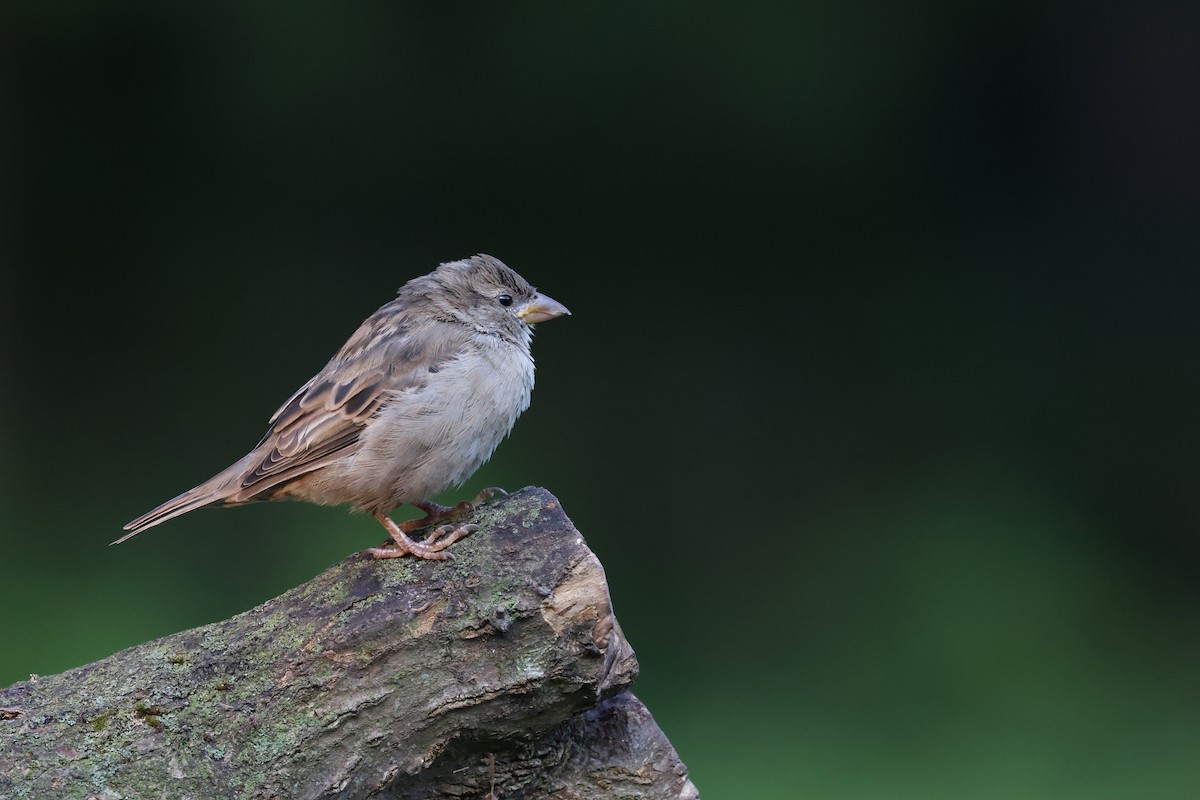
pixel 540 309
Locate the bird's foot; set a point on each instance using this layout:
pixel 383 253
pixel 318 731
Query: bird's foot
pixel 436 512
pixel 432 548
pixel 439 539
pixel 446 535
pixel 487 494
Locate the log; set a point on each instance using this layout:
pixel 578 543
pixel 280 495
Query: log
pixel 397 678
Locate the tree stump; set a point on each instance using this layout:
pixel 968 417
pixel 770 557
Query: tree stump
pixel 396 678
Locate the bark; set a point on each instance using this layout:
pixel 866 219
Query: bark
pixel 395 679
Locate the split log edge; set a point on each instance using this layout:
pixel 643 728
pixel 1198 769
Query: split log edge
pixel 390 679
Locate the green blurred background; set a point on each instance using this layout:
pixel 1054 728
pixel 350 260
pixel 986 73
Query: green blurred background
pixel 879 403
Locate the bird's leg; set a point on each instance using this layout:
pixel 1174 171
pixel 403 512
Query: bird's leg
pixel 435 512
pixel 440 538
pixel 404 545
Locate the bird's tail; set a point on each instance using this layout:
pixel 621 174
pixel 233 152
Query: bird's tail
pixel 216 490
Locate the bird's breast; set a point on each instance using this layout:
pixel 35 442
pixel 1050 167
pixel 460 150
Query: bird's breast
pixel 432 437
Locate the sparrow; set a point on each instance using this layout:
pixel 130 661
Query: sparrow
pixel 414 402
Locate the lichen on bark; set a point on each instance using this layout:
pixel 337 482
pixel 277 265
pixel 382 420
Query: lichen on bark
pixel 376 678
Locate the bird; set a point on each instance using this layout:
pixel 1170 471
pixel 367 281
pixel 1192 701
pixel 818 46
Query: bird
pixel 414 402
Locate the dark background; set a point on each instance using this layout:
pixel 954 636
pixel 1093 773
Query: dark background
pixel 879 403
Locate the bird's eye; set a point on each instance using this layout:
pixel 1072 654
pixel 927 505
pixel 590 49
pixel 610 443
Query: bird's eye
pixel 505 300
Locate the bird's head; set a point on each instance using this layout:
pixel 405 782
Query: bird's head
pixel 485 293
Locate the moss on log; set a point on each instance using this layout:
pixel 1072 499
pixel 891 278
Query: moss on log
pixel 395 678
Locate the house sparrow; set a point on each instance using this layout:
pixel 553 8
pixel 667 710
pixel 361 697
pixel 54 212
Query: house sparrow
pixel 412 405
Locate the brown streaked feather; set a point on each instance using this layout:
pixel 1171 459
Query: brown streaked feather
pixel 293 399
pixel 205 494
pixel 322 421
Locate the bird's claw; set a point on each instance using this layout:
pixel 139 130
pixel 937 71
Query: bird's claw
pixel 433 548
pixel 439 538
pixel 487 494
pixel 416 549
pixel 447 535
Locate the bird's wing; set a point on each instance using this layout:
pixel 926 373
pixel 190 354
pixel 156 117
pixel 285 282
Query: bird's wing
pixel 323 420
